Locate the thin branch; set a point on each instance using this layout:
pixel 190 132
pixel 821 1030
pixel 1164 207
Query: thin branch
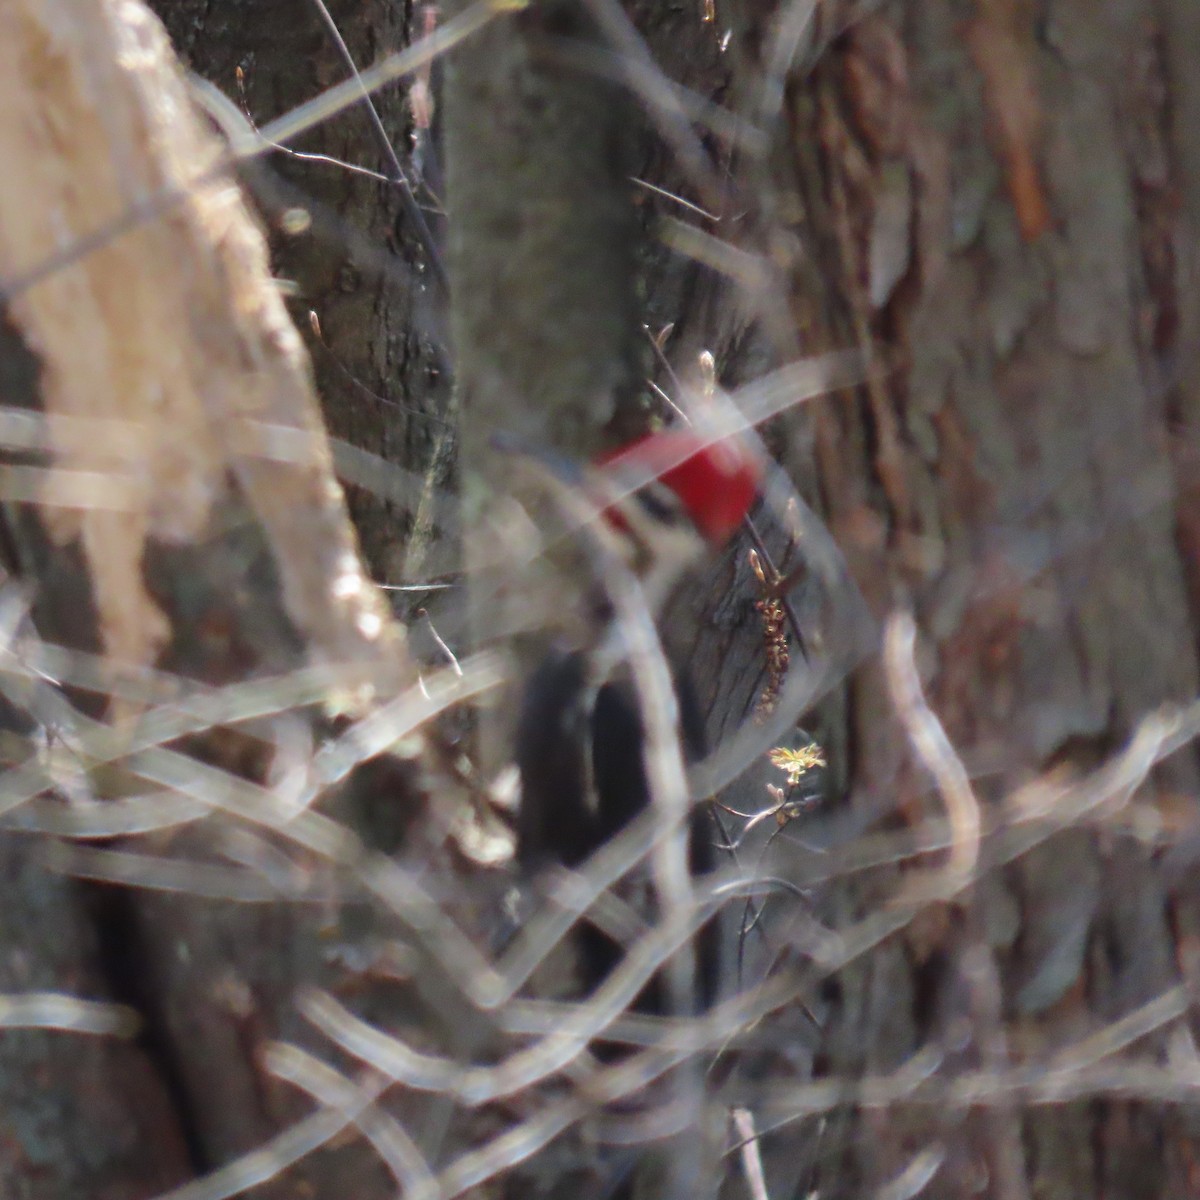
pixel 335 1091
pixel 68 1014
pixel 934 748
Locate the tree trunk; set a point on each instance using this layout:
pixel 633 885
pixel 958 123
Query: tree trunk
pixel 1000 211
pixel 174 524
pixel 368 262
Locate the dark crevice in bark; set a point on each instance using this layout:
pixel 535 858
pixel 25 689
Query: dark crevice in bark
pixel 127 965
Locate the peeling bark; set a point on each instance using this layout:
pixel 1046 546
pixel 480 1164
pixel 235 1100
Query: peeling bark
pixel 172 508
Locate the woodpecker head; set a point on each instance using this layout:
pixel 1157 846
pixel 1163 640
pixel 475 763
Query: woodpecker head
pixel 682 477
pixel 659 504
pixel 674 497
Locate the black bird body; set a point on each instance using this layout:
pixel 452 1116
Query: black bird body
pixel 580 754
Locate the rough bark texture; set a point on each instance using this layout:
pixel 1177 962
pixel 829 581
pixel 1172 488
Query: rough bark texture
pixel 377 291
pixel 176 511
pixel 1001 208
pixel 993 213
pixel 1024 495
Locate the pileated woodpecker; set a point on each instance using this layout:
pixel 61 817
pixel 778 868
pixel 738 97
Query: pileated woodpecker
pixel 664 503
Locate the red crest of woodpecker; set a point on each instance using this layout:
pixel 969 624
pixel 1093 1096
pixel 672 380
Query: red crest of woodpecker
pixel 715 483
pixel 676 497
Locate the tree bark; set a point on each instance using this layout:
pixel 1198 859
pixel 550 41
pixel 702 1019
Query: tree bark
pixel 992 206
pixel 1001 213
pixel 374 282
pixel 173 510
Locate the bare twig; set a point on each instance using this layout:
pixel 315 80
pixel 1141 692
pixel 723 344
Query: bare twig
pixel 752 1168
pixel 69 1014
pixel 335 1091
pixel 933 746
